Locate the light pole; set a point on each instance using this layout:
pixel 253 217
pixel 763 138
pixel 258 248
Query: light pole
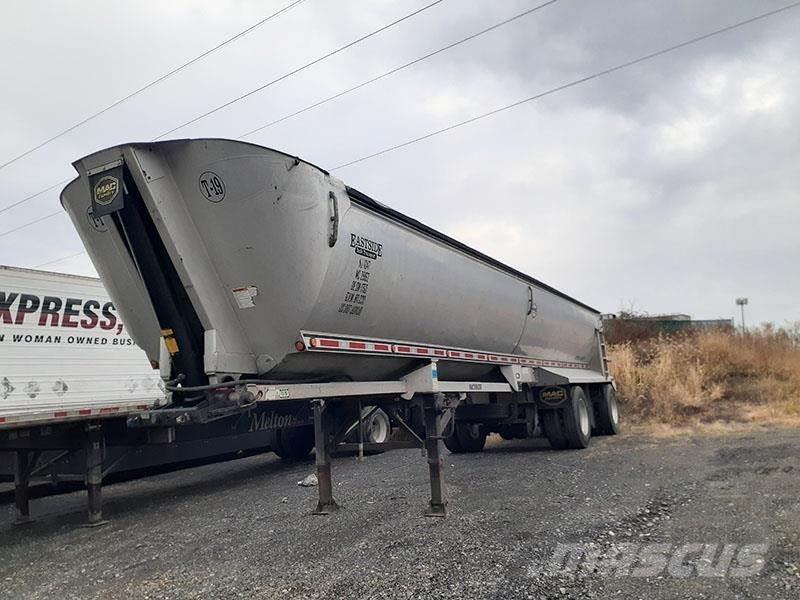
pixel 741 302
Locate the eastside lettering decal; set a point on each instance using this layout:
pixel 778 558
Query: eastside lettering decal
pixel 366 247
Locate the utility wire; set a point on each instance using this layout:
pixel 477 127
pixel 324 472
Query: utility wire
pixel 286 75
pixel 570 84
pixel 32 196
pixel 397 69
pixel 301 68
pixel 52 262
pixel 29 223
pixel 151 84
pixel 545 93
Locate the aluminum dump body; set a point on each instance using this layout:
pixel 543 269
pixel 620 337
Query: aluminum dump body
pixel 252 262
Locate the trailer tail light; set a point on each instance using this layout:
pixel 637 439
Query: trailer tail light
pixel 300 346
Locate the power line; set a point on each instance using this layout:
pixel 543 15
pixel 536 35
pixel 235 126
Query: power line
pixel 541 94
pixel 52 262
pixel 152 83
pixel 569 85
pixel 32 196
pixel 29 223
pixel 320 59
pixel 396 69
pixel 301 68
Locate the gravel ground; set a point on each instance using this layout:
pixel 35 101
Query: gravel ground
pixel 243 529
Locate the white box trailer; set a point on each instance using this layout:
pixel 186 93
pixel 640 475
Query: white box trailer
pixel 65 354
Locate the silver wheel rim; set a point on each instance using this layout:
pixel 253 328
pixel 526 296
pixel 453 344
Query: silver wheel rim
pixel 583 419
pixel 379 428
pixel 613 410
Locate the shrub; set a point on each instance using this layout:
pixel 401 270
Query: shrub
pixel 709 376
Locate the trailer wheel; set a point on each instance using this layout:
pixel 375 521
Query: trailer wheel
pixel 466 437
pixel 292 444
pixel 577 420
pixel 378 427
pixel 606 411
pixel 554 429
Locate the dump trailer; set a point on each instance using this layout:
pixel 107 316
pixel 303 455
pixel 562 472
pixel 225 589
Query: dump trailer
pixel 254 277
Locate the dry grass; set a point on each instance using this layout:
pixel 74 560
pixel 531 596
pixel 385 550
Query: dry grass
pixel 711 378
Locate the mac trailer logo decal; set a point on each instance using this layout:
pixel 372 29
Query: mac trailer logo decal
pixel 106 190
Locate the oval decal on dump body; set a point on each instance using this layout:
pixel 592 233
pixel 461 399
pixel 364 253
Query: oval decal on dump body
pixel 211 186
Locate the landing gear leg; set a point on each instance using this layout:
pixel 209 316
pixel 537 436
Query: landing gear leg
pixel 322 443
pixel 22 475
pixel 94 475
pixel 433 447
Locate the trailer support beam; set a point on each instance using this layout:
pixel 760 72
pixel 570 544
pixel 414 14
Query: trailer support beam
pixel 322 449
pixel 94 475
pixel 22 476
pixel 431 407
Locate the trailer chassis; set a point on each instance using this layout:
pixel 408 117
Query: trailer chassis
pixel 438 403
pixel 422 389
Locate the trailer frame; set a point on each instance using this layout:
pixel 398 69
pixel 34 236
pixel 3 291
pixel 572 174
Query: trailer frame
pixel 436 399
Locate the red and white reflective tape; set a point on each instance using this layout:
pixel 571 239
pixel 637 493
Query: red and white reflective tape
pixel 320 343
pixel 72 414
pixel 419 351
pixel 331 343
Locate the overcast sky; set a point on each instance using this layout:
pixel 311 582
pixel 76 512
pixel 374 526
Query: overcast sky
pixel 672 186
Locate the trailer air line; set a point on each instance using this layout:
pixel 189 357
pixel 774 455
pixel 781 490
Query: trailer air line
pixel 147 86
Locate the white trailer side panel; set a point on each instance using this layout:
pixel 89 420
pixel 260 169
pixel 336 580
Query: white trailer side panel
pixel 64 352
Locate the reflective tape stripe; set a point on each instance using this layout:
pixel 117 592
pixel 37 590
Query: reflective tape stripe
pixel 331 342
pixel 34 418
pixel 355 345
pixel 324 343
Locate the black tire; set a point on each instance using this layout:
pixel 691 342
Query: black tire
pixel 452 443
pixel 292 444
pixel 577 420
pixel 606 411
pixel 553 428
pixel 466 437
